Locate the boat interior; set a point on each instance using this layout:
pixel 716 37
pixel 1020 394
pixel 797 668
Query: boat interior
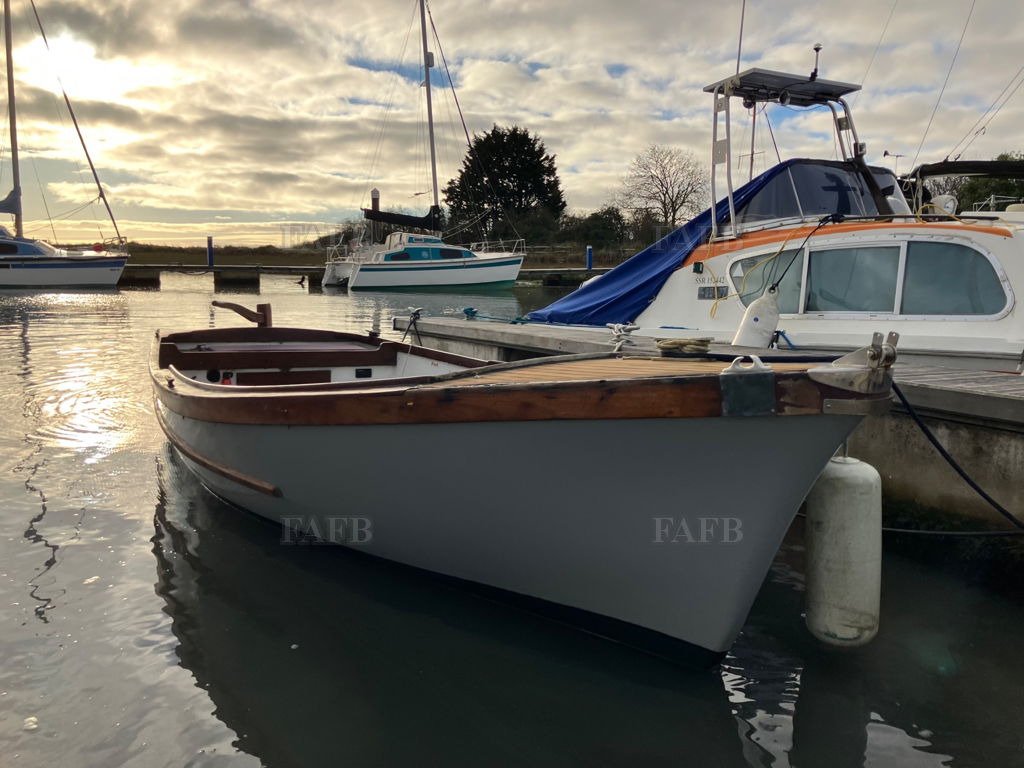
pixel 282 356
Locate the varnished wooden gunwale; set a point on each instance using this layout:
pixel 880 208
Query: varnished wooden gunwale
pixel 604 368
pixel 605 389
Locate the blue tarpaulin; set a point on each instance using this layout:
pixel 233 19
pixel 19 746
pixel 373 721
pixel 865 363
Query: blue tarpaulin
pixel 620 295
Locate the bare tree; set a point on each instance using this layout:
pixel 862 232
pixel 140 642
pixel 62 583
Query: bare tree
pixel 670 182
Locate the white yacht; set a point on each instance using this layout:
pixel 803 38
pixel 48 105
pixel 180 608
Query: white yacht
pixel 29 263
pixel 421 260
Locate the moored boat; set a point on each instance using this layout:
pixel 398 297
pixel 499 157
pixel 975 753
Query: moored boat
pixel 835 246
pixel 577 484
pixel 29 263
pixel 418 260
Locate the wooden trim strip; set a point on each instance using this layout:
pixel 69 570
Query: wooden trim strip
pixel 227 472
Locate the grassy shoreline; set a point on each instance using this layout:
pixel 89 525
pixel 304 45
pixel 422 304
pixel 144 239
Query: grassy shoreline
pixel 269 255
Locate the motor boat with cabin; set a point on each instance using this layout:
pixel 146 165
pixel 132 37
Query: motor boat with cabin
pixel 832 246
pixel 435 454
pixel 29 263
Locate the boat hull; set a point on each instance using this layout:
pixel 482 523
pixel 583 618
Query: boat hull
pixel 61 273
pixel 480 270
pixel 633 536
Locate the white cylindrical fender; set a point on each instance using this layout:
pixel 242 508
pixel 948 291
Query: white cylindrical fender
pixel 759 323
pixel 844 553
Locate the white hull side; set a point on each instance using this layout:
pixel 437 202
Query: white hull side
pixel 337 273
pixel 542 509
pixel 476 271
pixel 60 273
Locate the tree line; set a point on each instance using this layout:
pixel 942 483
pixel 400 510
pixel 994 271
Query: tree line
pixel 508 187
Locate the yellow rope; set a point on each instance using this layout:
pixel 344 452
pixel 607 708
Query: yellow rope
pixel 746 275
pixel 692 346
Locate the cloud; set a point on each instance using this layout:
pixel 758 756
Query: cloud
pixel 259 109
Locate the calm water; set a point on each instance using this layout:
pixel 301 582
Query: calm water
pixel 144 623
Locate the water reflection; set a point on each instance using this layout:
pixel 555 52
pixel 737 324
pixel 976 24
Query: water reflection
pixel 391 668
pixel 311 654
pixel 809 705
pixel 60 401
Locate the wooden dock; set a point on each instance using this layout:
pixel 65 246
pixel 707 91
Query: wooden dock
pixel 248 276
pixel 977 415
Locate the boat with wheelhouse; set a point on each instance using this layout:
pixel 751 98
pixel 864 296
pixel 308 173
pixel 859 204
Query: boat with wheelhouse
pixel 834 243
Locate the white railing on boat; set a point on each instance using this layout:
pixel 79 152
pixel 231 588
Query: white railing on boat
pixel 513 247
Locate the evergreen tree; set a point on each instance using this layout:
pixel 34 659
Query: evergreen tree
pixel 506 175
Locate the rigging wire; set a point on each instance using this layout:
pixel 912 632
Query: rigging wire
pixel 78 130
pixel 771 133
pixel 465 130
pixel 874 53
pixel 42 196
pixel 984 127
pixel 395 77
pixel 938 101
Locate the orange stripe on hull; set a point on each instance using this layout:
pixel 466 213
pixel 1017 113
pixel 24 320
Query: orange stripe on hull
pixel 797 234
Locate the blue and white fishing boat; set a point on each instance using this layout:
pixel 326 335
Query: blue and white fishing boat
pixel 29 263
pixel 421 260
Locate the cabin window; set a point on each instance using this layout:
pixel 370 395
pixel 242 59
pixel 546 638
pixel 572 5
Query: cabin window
pixel 751 276
pixel 401 256
pixel 452 253
pixel 828 189
pixel 8 248
pixel 815 189
pixel 853 279
pixel 950 279
pixel 776 201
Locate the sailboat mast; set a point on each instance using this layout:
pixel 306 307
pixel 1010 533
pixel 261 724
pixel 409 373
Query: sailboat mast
pixel 427 64
pixel 16 171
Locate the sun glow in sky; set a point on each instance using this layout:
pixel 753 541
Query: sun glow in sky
pixel 267 122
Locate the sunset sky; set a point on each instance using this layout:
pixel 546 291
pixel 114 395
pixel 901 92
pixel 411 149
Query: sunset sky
pixel 264 122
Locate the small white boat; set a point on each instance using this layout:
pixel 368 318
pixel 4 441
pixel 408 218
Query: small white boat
pixel 837 246
pixel 420 260
pixel 408 260
pixel 577 484
pixel 29 263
